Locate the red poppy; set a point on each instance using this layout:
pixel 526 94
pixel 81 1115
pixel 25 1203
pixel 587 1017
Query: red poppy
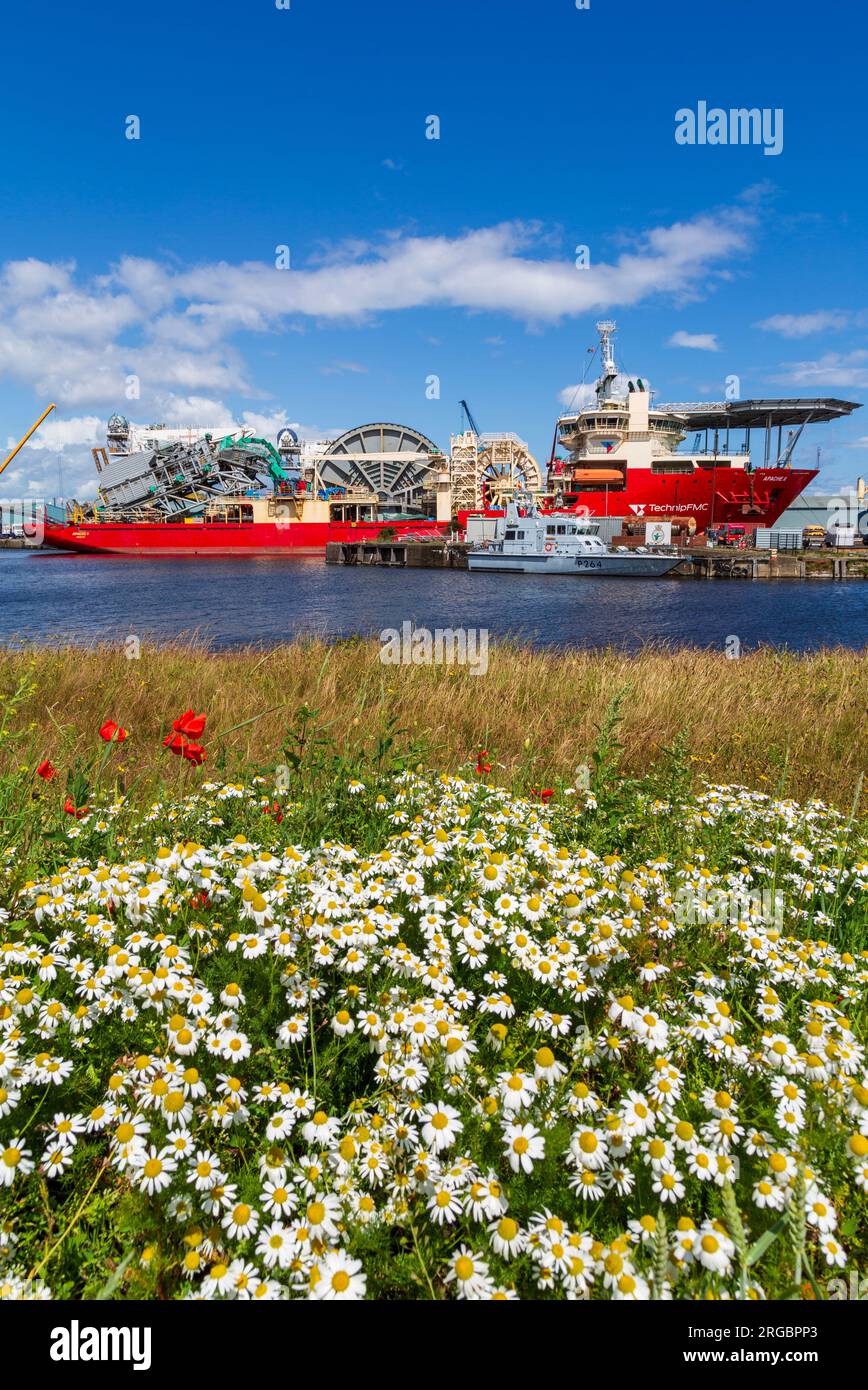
pixel 544 794
pixel 481 764
pixel 112 732
pixel 46 771
pixel 175 743
pixel 71 809
pixel 194 753
pixel 190 724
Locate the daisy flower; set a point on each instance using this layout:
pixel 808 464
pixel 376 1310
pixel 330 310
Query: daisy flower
pixel 523 1146
pixel 338 1277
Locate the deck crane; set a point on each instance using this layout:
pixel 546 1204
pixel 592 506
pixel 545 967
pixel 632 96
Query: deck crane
pixel 470 420
pixel 22 442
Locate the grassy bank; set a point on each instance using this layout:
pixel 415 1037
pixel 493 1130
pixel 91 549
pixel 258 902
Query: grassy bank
pixel 317 1018
pixel 767 719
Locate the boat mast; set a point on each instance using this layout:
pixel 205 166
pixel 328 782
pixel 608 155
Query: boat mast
pixel 605 385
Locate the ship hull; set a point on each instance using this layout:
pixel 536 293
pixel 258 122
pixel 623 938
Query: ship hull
pixel 600 566
pixel 148 538
pixel 711 496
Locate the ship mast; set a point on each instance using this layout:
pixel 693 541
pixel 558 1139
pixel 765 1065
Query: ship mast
pixel 605 328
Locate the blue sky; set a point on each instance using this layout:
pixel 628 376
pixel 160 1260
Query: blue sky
pixel 411 257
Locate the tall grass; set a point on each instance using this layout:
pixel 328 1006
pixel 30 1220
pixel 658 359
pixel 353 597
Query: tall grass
pixel 769 719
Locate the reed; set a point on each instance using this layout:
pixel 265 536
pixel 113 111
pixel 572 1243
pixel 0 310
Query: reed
pixel 768 719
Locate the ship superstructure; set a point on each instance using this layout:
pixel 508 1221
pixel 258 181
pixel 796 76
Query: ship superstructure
pixel 629 456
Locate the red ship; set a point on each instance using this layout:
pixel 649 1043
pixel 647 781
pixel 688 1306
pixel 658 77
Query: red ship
pixel 626 459
pixel 193 495
pixel 627 456
pixel 273 525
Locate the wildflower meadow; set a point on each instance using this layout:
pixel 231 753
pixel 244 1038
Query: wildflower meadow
pixel 349 1027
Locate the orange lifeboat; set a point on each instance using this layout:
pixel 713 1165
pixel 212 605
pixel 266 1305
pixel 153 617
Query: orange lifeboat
pixel 597 475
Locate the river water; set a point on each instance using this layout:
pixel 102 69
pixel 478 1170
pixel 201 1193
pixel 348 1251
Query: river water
pixel 49 597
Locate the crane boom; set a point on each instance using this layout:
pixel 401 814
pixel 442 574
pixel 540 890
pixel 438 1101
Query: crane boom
pixel 22 442
pixel 470 420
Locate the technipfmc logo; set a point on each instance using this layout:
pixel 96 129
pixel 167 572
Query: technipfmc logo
pixel 77 1343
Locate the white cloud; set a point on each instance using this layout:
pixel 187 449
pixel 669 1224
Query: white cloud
pixel 72 374
pixel 487 269
pixel 189 370
pixel 81 316
pixel 34 473
pixel 802 325
pixel 268 426
pixel 835 369
pixel 150 284
pixel 77 340
pixel 58 433
pixel 30 279
pixel 703 342
pixel 575 398
pixel 192 411
pixel 339 368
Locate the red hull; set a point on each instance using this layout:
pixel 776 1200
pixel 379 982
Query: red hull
pixel 710 495
pixel 222 538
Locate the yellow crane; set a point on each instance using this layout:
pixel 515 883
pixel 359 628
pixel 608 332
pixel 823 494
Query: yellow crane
pixel 32 430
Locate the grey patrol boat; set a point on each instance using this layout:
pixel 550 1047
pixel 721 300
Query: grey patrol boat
pixel 527 541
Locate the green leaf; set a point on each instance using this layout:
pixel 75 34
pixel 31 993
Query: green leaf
pixel 759 1248
pixel 114 1279
pixel 818 1293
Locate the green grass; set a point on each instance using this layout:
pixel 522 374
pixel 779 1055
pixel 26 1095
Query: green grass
pixel 621 870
